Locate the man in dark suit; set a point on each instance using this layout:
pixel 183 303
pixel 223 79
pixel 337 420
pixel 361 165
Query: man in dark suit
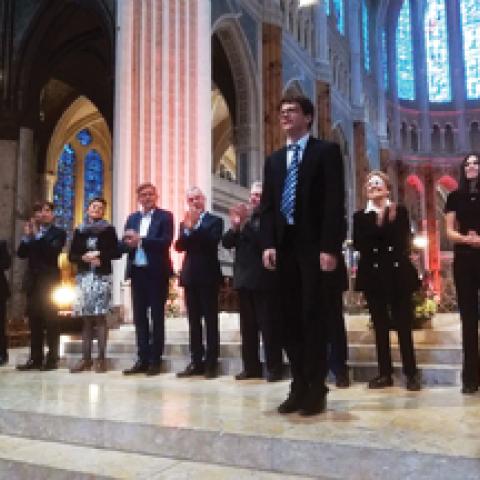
pixel 199 236
pixel 41 244
pixel 257 291
pixel 147 239
pixel 302 214
pixel 5 262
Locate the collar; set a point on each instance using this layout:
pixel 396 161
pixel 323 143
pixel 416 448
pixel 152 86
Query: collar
pixel 301 142
pixel 147 214
pixel 371 207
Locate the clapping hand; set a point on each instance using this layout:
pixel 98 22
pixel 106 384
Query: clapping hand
pixel 131 238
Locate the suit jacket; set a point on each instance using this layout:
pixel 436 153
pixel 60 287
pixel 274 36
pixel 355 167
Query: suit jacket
pixel 5 263
pixel 107 245
pixel 156 244
pixel 319 205
pixel 248 270
pixel 200 265
pixel 42 255
pixel 384 265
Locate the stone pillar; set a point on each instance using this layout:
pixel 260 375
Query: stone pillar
pixel 384 159
pixel 162 104
pixel 361 163
pixel 272 85
pixel 432 227
pixel 324 110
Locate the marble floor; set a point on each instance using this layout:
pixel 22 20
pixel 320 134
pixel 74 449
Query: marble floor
pixel 176 424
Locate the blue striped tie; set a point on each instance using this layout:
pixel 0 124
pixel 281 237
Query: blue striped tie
pixel 290 186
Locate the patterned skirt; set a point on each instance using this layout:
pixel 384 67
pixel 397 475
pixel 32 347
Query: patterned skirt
pixel 93 294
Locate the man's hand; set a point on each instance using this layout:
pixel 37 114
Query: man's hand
pixel 328 262
pixel 131 238
pixel 473 239
pixel 270 258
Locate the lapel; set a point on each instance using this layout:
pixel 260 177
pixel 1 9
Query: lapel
pixel 307 157
pixel 136 218
pixel 282 168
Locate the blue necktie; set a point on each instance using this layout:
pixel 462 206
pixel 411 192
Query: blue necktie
pixel 290 186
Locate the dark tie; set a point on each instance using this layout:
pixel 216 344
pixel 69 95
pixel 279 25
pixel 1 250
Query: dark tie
pixel 290 186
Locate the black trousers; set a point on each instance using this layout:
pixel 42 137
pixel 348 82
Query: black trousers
pixel 259 315
pixel 466 270
pixel 149 293
pixel 3 326
pixel 202 302
pixel 304 325
pixel 396 311
pixel 337 335
pixel 43 324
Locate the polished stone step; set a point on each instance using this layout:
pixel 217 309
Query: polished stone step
pixel 364 435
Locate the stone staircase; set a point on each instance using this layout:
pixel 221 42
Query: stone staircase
pixel 438 349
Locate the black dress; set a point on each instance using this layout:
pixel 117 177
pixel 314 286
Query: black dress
pixel 466 274
pixel 388 279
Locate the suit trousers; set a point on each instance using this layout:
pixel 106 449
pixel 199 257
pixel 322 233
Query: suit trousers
pixel 304 325
pixel 3 326
pixel 42 320
pixel 149 293
pixel 100 322
pixel 202 302
pixel 258 315
pixel 396 311
pixel 337 335
pixel 466 269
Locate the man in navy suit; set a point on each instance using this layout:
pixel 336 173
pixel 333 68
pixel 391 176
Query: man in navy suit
pixel 147 239
pixel 199 236
pixel 302 229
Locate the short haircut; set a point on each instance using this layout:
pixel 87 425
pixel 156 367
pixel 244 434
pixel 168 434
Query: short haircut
pixel 257 184
pixel 382 175
pixel 144 186
pixel 37 206
pixel 304 102
pixel 99 200
pixel 193 190
pixel 49 204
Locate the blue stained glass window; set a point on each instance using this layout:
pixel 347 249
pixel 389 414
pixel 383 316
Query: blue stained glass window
pixel 339 15
pixel 64 189
pixel 366 36
pixel 436 47
pixel 385 59
pixel 327 6
pixel 470 15
pixel 405 70
pixel 84 137
pixel 93 177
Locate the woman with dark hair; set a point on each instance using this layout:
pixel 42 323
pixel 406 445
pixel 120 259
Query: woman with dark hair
pixel 387 277
pixel 94 246
pixel 462 221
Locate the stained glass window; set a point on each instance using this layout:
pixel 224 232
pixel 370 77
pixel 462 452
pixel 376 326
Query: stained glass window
pixel 84 137
pixel 64 189
pixel 436 47
pixel 366 36
pixel 327 6
pixel 93 177
pixel 338 8
pixel 385 59
pixel 470 14
pixel 405 71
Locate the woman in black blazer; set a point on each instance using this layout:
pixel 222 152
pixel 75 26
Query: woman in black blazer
pixel 462 217
pixel 386 276
pixel 94 246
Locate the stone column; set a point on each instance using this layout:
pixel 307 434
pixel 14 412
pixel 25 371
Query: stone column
pixel 272 84
pixel 162 103
pixel 324 110
pixel 361 163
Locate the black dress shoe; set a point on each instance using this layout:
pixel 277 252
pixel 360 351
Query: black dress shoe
pixel 381 381
pixel 211 372
pixel 137 368
pixel 293 403
pixel 154 370
pixel 247 375
pixel 342 380
pixel 274 376
pixel 29 365
pixel 469 389
pixel 313 404
pixel 413 383
pixel 191 370
pixel 49 365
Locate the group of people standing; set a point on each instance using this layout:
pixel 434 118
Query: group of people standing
pixel 289 272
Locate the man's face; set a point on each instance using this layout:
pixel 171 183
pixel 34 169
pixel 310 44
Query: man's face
pixel 147 197
pixel 96 210
pixel 196 201
pixel 46 214
pixel 255 196
pixel 293 121
pixel 376 188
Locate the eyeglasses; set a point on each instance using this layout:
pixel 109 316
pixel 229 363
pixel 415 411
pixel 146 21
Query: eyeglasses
pixel 288 111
